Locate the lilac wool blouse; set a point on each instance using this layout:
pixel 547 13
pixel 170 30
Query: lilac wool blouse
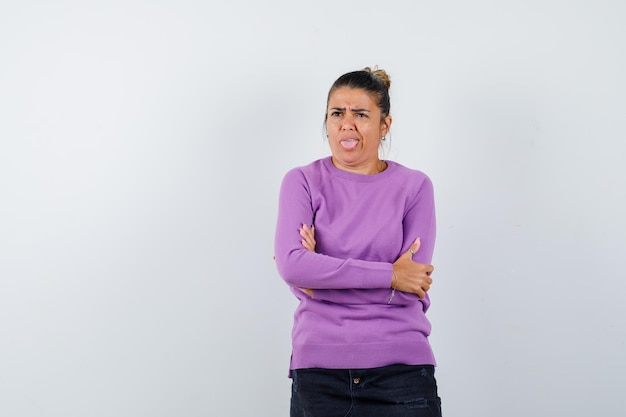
pixel 363 223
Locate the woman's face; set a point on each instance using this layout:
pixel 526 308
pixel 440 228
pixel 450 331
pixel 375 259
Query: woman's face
pixel 354 130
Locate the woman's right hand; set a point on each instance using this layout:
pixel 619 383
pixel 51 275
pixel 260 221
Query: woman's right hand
pixel 308 241
pixel 409 276
pixel 308 237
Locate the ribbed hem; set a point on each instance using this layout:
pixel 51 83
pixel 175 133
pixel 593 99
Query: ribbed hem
pixel 361 356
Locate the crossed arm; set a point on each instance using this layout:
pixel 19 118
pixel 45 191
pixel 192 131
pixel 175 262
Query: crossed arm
pixel 407 276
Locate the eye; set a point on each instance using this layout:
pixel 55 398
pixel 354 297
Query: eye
pixel 335 114
pixel 361 115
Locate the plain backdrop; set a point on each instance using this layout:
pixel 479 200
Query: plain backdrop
pixel 142 145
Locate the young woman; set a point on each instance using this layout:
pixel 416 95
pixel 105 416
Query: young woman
pixel 354 241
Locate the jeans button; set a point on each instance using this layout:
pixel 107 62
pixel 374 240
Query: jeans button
pixel 356 380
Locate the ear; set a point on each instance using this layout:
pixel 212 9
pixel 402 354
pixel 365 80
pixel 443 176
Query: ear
pixel 385 125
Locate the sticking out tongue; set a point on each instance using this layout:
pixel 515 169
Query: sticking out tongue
pixel 349 144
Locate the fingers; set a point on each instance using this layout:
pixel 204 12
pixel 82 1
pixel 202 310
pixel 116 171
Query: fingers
pixel 422 285
pixel 415 246
pixel 308 237
pixel 430 270
pixel 418 280
pixel 423 288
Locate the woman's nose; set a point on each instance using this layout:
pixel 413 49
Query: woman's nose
pixel 347 123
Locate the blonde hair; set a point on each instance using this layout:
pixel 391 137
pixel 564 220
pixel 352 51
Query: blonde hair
pixel 380 74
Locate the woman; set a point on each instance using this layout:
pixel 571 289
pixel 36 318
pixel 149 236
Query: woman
pixel 354 240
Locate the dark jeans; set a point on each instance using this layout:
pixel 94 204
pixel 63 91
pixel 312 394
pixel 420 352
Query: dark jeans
pixel 389 391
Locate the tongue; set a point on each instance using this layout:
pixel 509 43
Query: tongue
pixel 349 144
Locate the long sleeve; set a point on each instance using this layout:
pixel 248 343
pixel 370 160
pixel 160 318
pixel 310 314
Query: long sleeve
pixel 304 269
pixel 363 223
pixel 418 221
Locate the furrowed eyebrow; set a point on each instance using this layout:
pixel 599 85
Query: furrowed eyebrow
pixel 353 110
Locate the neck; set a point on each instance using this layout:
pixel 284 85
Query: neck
pixel 367 169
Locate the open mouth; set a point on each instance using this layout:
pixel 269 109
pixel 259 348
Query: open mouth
pixel 349 144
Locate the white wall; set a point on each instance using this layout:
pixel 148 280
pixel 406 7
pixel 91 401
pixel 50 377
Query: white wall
pixel 141 149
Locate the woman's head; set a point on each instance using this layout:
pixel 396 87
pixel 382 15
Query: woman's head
pixel 373 81
pixel 357 119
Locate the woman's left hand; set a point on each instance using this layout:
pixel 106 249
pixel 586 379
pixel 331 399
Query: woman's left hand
pixel 308 241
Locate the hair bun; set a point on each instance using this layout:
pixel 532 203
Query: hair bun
pixel 380 74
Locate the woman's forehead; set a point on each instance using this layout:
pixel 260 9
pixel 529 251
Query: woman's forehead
pixel 351 97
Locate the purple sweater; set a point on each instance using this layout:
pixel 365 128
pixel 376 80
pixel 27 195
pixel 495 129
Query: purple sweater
pixel 363 223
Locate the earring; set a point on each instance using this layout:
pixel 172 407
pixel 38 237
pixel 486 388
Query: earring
pixel 383 138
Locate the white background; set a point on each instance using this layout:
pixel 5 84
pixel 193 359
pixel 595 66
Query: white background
pixel 142 144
